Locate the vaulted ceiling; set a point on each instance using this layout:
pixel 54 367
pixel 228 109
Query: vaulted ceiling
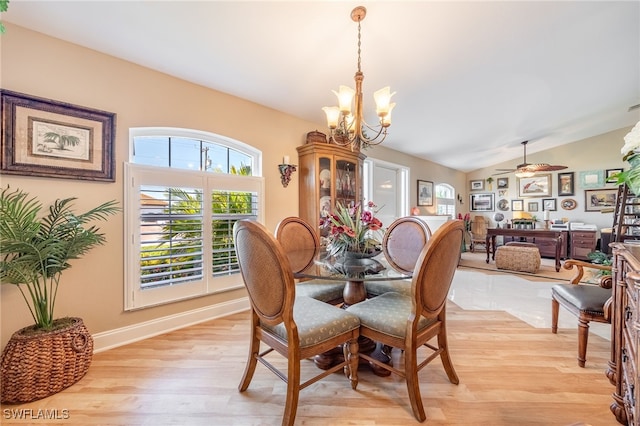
pixel 473 79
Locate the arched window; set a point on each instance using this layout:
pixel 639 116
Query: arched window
pixel 184 191
pixel 445 199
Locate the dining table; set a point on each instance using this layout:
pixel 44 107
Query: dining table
pixel 355 271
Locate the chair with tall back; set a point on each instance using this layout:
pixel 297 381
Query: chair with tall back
pixel 410 322
pixel 295 327
pixel 478 233
pixel 402 243
pixel 586 301
pixel 300 241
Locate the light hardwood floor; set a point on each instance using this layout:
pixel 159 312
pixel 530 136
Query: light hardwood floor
pixel 510 374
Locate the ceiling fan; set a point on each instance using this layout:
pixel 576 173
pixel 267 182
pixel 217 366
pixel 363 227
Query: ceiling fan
pixel 528 170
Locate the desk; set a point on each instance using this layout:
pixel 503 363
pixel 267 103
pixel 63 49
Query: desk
pixel 526 233
pixel 316 264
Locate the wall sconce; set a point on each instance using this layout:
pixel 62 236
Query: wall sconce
pixel 286 170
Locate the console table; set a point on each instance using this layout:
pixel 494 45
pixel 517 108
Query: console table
pixel 529 234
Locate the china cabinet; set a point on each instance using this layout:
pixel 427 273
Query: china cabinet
pixel 329 174
pixel 623 367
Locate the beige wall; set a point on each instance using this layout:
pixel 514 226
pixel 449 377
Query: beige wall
pixel 41 66
pixel 93 288
pixel 596 153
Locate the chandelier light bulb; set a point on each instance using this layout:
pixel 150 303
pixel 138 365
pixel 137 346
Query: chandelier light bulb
pixel 333 115
pixel 345 98
pixel 382 98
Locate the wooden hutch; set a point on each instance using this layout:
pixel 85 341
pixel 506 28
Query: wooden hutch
pixel 329 174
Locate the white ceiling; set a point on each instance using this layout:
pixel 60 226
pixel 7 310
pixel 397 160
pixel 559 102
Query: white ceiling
pixel 473 79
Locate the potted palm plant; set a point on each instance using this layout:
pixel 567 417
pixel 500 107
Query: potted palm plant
pixel 35 249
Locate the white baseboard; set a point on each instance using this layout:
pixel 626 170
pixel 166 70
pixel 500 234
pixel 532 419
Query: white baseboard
pixel 136 332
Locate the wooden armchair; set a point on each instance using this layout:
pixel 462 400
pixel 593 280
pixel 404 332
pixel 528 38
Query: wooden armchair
pixel 478 232
pixel 588 302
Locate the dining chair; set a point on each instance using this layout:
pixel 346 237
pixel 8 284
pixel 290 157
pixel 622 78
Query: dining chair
pixel 588 302
pixel 299 240
pixel 295 327
pixel 410 322
pixel 402 243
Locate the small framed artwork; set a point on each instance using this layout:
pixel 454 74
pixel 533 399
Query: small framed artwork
pixel 477 185
pixel 532 206
pixel 481 202
pixel 517 205
pixel 568 204
pixel 536 186
pixel 503 193
pixel 591 179
pixel 425 193
pixel 502 183
pixel 41 137
pixel 610 175
pixel 549 204
pixel 596 200
pixel 565 184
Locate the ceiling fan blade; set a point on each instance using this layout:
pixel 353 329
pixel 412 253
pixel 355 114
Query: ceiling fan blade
pixel 505 170
pixel 542 167
pixel 503 173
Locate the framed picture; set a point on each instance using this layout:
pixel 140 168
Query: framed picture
pixel 591 179
pixel 532 206
pixel 610 174
pixel 481 202
pixel 565 184
pixel 41 137
pixel 503 193
pixel 502 183
pixel 536 186
pixel 549 204
pixel 477 185
pixel 425 193
pixel 596 200
pixel 517 205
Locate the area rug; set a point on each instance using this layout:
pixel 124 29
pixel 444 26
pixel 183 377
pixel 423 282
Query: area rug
pixel 547 269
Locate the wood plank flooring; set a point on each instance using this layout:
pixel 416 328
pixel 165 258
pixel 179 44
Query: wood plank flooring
pixel 510 374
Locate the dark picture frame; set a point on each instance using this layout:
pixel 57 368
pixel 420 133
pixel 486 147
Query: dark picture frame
pixel 481 202
pixel 502 182
pixel 532 206
pixel 566 184
pixel 549 204
pixel 425 193
pixel 610 173
pixel 476 185
pixel 47 138
pixel 596 200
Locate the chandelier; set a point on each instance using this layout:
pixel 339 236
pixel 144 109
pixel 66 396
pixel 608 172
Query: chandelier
pixel 348 128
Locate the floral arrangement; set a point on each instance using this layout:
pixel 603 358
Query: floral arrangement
pixel 467 220
pixel 351 229
pixel 631 153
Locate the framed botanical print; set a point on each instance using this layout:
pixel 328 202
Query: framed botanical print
pixel 481 202
pixel 42 137
pixel 532 206
pixel 536 186
pixel 517 205
pixel 425 193
pixel 565 184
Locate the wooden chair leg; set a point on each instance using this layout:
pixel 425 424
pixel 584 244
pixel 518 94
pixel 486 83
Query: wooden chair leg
pixel 445 358
pixel 555 308
pixel 252 361
pixel 351 354
pixel 293 392
pixel 583 337
pixel 413 384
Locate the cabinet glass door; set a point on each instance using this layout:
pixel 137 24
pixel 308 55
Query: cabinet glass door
pixel 346 182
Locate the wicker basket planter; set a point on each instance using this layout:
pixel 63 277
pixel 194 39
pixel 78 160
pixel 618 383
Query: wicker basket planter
pixel 35 366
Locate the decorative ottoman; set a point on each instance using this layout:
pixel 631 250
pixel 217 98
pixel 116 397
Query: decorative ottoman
pixel 518 257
